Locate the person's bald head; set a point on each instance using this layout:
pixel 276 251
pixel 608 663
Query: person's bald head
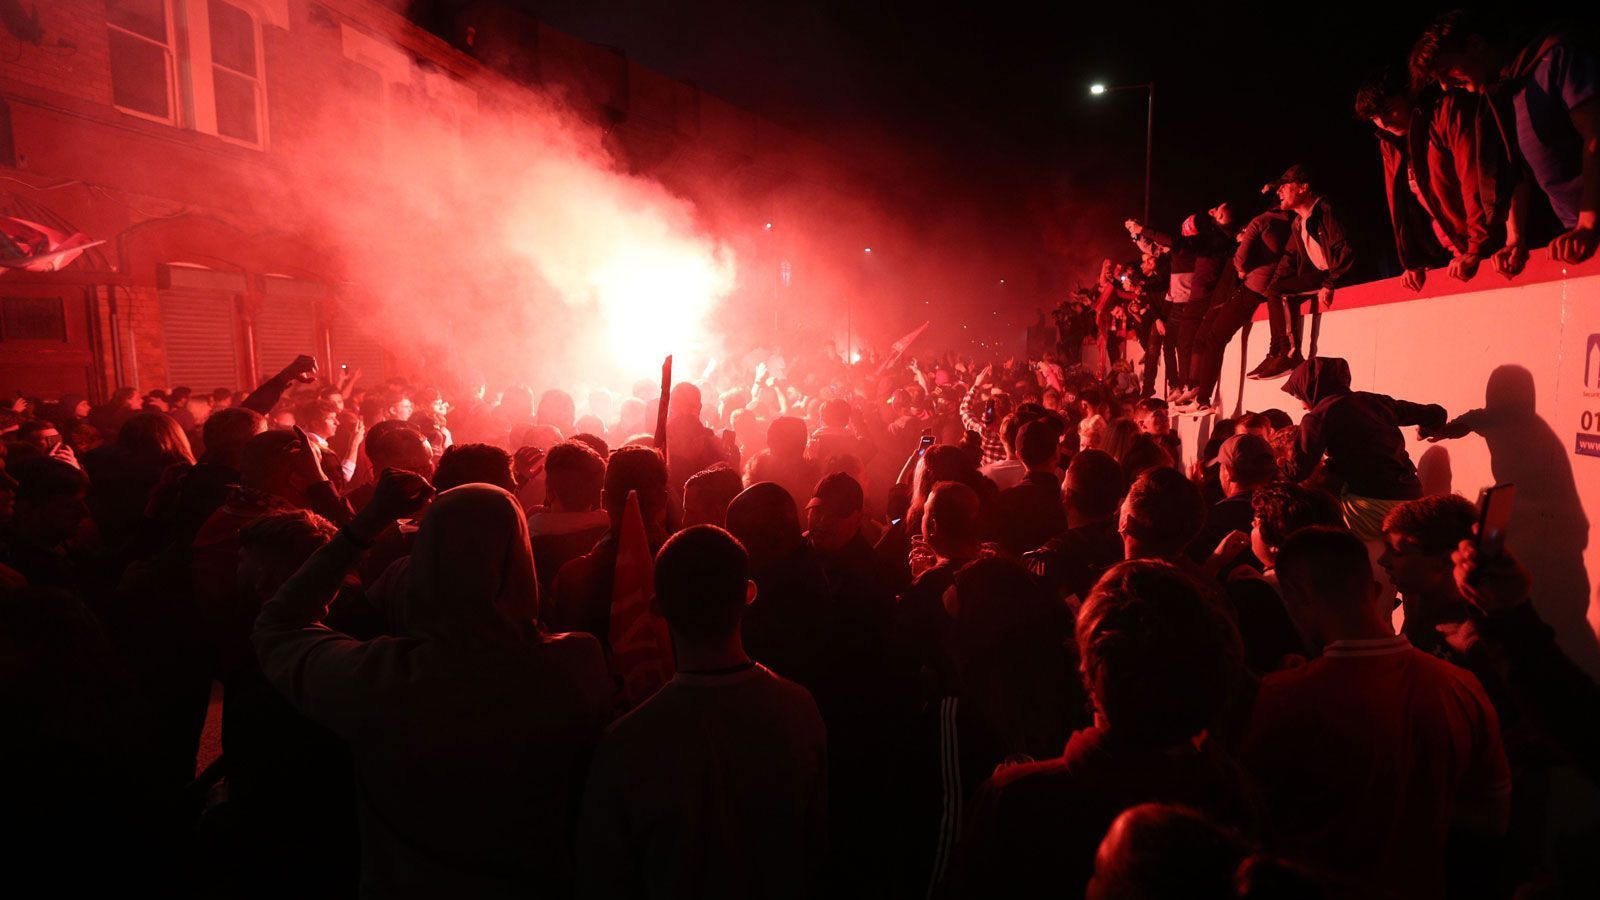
pixel 685 400
pixel 764 518
pixel 401 448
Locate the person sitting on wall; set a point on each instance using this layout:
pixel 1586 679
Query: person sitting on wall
pixel 1317 258
pixel 1447 175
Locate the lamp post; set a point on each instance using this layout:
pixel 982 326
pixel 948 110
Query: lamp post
pixel 850 316
pixel 1149 87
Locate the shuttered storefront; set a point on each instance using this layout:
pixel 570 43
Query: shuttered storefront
pixel 353 346
pixel 285 323
pixel 200 325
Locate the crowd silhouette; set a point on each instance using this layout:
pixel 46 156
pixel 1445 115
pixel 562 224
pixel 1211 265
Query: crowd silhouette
pixel 903 626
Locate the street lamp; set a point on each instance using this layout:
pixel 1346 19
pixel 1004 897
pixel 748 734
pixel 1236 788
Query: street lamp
pixel 1099 88
pixel 850 319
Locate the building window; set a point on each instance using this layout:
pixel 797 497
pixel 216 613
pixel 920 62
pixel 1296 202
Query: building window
pixel 142 72
pixel 212 80
pixel 32 319
pixel 236 73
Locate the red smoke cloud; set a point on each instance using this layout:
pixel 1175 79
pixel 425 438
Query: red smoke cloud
pixel 507 245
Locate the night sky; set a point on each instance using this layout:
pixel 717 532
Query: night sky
pixel 989 104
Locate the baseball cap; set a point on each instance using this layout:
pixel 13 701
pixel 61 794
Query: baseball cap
pixel 1298 173
pixel 1249 457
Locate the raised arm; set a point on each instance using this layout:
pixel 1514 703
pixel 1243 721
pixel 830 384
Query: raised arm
pixel 269 392
pixel 1429 416
pixel 1547 681
pixel 325 499
pixel 971 415
pixel 319 670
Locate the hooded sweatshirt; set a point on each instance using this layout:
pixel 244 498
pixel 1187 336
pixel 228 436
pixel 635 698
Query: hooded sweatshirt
pixel 1358 432
pixel 469 729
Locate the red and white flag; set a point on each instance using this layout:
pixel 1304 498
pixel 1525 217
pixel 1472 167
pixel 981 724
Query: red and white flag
pixel 899 347
pixel 641 645
pixel 38 248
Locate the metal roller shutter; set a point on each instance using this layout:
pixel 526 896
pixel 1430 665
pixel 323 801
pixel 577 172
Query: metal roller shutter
pixel 284 329
pixel 352 346
pixel 285 323
pixel 201 334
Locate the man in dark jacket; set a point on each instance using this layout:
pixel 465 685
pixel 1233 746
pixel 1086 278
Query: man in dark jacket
pixel 1261 245
pixel 1548 683
pixel 1073 560
pixel 1031 513
pixel 691 446
pixel 1199 254
pixel 572 519
pixel 581 595
pixel 786 627
pixel 1146 317
pixel 1359 434
pixel 1316 259
pixel 1245 463
pixel 1160 658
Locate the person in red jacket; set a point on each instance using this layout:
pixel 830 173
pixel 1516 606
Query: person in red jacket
pixel 1446 172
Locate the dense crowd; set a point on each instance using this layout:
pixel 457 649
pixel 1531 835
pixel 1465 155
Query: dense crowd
pixel 1490 143
pixel 933 631
pixel 908 626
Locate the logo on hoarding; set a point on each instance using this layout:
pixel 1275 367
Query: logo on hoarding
pixel 1588 435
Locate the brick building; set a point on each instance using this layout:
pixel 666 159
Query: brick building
pixel 150 124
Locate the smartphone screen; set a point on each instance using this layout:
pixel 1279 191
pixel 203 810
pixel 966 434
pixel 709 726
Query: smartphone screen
pixel 1494 517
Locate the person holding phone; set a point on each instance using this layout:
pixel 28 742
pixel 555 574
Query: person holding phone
pixel 977 418
pixel 1419 536
pixel 1540 675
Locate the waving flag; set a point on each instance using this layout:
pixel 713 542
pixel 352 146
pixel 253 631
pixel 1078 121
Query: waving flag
pixel 899 347
pixel 38 248
pixel 661 409
pixel 641 646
